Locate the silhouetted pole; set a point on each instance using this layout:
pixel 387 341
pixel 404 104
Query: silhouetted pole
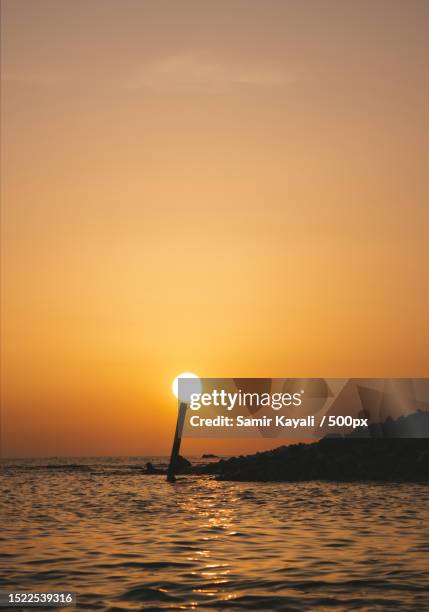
pixel 176 443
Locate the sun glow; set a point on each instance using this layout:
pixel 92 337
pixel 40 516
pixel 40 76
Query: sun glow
pixel 196 386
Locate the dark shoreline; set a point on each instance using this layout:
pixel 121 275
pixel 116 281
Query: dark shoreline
pixel 395 450
pixel 334 459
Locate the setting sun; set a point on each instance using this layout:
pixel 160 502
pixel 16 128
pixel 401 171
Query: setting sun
pixel 196 385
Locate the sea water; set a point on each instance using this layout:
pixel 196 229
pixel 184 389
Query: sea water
pixel 122 540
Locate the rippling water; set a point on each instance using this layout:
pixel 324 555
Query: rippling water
pixel 125 541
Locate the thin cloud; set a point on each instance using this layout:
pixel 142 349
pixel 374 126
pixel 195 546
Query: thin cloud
pixel 191 72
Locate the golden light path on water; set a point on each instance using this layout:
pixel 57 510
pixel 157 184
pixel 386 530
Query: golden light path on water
pixel 214 519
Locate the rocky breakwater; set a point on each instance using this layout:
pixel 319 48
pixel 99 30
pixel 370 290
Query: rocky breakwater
pixel 350 458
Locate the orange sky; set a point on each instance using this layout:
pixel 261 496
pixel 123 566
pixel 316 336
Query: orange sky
pixel 232 188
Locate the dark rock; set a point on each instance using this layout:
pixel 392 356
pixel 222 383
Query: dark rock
pixel 350 458
pixel 151 469
pixel 183 465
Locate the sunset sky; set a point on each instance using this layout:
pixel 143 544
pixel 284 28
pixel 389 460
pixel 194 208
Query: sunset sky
pixel 232 188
